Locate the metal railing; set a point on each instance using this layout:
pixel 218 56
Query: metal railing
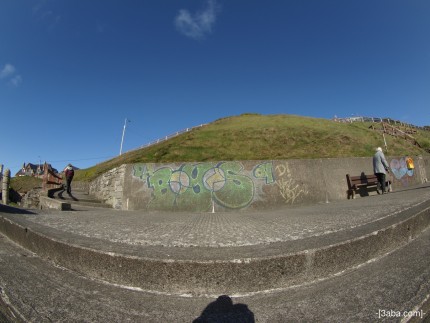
pixel 167 137
pixel 390 121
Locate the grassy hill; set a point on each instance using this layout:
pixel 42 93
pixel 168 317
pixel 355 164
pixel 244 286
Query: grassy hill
pixel 265 137
pixel 25 183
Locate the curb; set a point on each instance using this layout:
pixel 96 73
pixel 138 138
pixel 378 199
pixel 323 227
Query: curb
pixel 327 256
pixel 49 203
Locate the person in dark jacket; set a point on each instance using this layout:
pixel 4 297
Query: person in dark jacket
pixel 380 168
pixel 69 173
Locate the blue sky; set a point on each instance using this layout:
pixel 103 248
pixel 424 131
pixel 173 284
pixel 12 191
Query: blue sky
pixel 71 71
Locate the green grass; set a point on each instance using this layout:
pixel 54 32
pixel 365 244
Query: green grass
pixel 266 137
pixel 261 137
pixel 257 137
pixel 24 184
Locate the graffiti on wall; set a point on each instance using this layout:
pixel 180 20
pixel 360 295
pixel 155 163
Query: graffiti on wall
pixel 400 170
pixel 289 189
pixel 198 186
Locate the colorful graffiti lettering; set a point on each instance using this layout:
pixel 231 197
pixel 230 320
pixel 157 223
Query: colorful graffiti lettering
pixel 400 170
pixel 192 188
pixel 238 190
pixel 198 186
pixel 265 171
pixel 140 170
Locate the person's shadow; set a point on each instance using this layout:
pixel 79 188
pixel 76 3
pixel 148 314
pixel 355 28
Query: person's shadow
pixel 224 311
pixel 63 190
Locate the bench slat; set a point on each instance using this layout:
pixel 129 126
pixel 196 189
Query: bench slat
pixel 356 182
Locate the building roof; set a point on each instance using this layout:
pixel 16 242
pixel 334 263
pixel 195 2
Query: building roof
pixel 30 169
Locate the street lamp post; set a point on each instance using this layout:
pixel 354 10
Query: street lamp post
pixel 123 133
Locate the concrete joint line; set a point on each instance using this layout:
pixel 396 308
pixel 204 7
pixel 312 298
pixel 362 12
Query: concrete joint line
pixel 231 276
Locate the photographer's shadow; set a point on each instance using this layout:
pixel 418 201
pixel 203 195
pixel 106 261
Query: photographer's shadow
pixel 224 311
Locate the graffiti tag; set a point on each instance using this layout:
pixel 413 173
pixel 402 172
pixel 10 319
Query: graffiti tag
pixel 197 186
pixel 400 170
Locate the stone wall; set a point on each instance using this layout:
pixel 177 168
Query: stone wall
pixel 241 185
pixel 109 187
pixel 81 186
pixel 31 199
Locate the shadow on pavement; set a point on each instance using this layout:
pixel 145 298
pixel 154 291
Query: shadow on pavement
pixel 60 195
pixel 14 210
pixel 223 310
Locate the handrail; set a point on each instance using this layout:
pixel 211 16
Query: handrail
pixel 168 137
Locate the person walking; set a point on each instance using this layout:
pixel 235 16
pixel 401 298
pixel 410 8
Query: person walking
pixel 380 169
pixel 69 173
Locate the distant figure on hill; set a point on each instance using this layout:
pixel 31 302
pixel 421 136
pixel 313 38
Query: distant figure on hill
pixel 380 168
pixel 69 173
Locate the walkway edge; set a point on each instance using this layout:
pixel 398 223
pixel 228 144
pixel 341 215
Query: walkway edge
pixel 235 276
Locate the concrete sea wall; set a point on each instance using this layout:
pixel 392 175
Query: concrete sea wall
pixel 241 185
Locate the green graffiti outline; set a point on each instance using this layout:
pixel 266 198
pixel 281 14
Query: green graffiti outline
pixel 196 196
pixel 238 191
pixel 139 170
pixel 162 197
pixel 172 190
pixel 264 171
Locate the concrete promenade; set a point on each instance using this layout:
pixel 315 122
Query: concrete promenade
pixel 351 260
pixel 227 229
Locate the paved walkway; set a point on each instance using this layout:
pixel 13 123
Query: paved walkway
pixel 397 281
pixel 228 229
pixel 244 231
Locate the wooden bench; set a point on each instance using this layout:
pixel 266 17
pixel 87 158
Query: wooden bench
pixel 363 181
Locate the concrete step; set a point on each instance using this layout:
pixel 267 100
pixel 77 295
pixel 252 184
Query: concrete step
pixel 80 198
pixel 394 287
pixel 182 254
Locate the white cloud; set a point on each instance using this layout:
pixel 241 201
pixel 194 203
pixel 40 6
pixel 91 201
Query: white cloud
pixel 43 12
pixel 7 71
pixel 201 23
pixel 16 81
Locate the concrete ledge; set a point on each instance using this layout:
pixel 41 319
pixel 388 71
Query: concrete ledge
pixel 399 281
pixel 49 203
pixel 325 256
pixel 76 198
pixel 269 183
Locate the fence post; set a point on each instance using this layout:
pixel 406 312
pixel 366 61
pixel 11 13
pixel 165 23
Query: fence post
pixel 5 186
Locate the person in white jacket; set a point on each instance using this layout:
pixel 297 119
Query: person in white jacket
pixel 380 168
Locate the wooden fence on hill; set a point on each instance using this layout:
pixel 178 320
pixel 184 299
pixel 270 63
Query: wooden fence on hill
pixel 403 125
pixel 388 126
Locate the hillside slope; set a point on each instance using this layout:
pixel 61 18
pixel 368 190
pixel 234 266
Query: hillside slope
pixel 265 137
